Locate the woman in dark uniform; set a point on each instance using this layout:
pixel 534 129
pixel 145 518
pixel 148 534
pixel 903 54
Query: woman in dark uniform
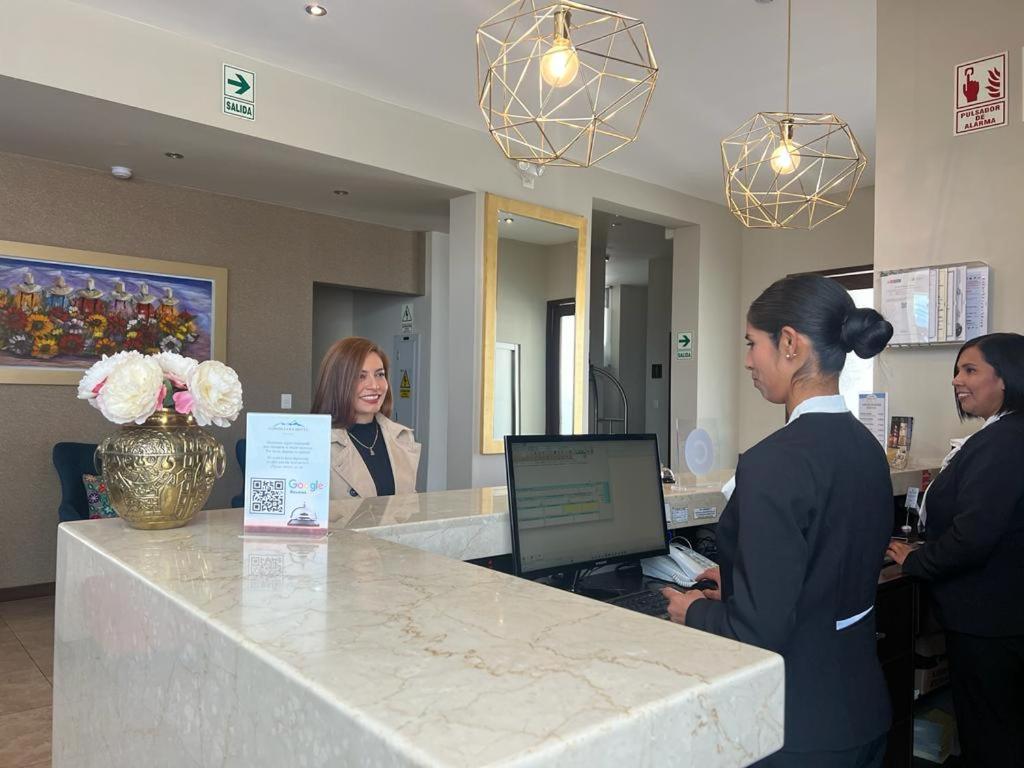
pixel 974 558
pixel 801 541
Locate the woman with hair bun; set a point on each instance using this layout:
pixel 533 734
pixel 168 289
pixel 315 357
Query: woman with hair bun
pixel 801 541
pixel 973 561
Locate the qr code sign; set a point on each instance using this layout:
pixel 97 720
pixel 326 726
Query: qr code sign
pixel 266 496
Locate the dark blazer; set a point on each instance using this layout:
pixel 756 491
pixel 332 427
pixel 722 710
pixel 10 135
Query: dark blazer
pixel 800 547
pixel 974 557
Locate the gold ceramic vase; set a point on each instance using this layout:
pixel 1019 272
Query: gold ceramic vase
pixel 160 473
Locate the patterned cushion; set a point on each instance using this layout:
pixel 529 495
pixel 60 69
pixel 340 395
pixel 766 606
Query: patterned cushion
pixel 96 495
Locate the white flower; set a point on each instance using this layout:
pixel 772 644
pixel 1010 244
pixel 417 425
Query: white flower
pixel 176 368
pixel 216 393
pixel 93 380
pixel 133 391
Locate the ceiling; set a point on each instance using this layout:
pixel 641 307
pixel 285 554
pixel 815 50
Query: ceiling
pixel 527 230
pixel 98 134
pixel 721 61
pixel 630 247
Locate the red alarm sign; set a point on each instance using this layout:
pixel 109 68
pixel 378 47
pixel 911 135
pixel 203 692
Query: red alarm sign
pixel 980 100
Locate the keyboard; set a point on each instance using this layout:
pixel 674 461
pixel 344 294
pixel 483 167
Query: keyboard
pixel 648 602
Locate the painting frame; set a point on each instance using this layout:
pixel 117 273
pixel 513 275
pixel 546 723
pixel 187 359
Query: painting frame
pixel 13 373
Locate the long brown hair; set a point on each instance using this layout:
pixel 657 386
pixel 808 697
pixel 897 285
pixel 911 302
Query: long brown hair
pixel 339 379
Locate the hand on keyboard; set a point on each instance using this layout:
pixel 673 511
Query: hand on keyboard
pixel 646 601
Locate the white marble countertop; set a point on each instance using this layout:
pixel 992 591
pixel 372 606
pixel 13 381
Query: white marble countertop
pixel 473 524
pixel 200 646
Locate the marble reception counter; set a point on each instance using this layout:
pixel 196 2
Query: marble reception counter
pixel 378 646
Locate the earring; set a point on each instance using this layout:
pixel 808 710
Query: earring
pixel 789 356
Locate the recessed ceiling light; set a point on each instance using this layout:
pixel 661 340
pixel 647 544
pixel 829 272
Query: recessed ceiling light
pixel 507 220
pixel 341 192
pixel 616 223
pixel 315 9
pixel 174 155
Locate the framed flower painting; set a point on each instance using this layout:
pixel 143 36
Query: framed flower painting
pixel 61 310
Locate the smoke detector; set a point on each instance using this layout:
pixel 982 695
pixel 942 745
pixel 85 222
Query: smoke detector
pixel 121 172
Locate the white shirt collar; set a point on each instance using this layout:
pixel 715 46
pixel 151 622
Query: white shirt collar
pixel 821 404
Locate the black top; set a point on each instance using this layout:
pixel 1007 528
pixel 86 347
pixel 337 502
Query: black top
pixel 378 462
pixel 800 547
pixel 974 557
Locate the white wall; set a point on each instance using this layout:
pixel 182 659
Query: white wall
pixel 631 338
pixel 655 410
pixel 466 465
pixel 845 240
pixel 686 270
pixel 940 198
pixel 436 361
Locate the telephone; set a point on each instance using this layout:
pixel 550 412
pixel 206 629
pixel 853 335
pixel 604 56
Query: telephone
pixel 680 566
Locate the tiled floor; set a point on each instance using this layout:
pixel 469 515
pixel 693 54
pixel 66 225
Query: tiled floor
pixel 26 674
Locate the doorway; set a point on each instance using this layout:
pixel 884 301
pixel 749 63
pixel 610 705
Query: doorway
pixel 633 260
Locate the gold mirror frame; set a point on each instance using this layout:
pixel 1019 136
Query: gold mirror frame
pixel 492 205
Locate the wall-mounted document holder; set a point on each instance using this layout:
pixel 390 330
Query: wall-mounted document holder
pixel 929 306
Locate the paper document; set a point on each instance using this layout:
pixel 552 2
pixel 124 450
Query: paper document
pixel 873 412
pixel 976 297
pixel 905 298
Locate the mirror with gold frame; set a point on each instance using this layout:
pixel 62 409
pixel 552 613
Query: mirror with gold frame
pixel 534 314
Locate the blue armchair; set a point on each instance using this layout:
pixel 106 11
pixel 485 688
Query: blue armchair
pixel 239 499
pixel 72 460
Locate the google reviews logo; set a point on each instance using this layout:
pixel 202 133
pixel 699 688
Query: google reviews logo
pixel 312 486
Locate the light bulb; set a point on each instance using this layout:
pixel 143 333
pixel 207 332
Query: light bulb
pixel 786 157
pixel 560 64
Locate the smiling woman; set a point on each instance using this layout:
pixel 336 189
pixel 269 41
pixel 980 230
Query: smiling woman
pixel 974 513
pixel 371 455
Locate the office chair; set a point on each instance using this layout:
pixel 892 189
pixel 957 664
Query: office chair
pixel 72 460
pixel 238 500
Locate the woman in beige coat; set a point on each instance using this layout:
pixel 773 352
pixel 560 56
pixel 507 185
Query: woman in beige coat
pixel 371 455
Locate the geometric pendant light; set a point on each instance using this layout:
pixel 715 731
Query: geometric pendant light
pixel 562 83
pixel 786 170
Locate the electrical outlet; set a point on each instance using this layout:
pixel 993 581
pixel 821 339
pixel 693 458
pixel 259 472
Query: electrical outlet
pixel 286 402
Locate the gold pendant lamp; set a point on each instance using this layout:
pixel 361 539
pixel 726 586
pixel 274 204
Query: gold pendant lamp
pixel 563 83
pixel 789 170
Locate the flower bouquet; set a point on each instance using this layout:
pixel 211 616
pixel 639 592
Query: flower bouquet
pixel 160 468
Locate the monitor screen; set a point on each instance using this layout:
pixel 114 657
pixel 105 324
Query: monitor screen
pixel 581 501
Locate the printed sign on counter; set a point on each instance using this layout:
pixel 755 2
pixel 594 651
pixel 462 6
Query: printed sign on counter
pixel 873 412
pixel 287 473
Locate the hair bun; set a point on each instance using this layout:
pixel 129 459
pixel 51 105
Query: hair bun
pixel 864 332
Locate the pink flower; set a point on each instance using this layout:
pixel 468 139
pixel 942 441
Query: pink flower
pixel 160 396
pixel 182 402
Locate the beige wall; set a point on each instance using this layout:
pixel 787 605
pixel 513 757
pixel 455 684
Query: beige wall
pixel 941 198
pixel 530 275
pixel 717 326
pixel 845 240
pixel 273 256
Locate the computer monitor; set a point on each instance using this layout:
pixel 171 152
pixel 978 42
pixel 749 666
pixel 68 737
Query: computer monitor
pixel 583 501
